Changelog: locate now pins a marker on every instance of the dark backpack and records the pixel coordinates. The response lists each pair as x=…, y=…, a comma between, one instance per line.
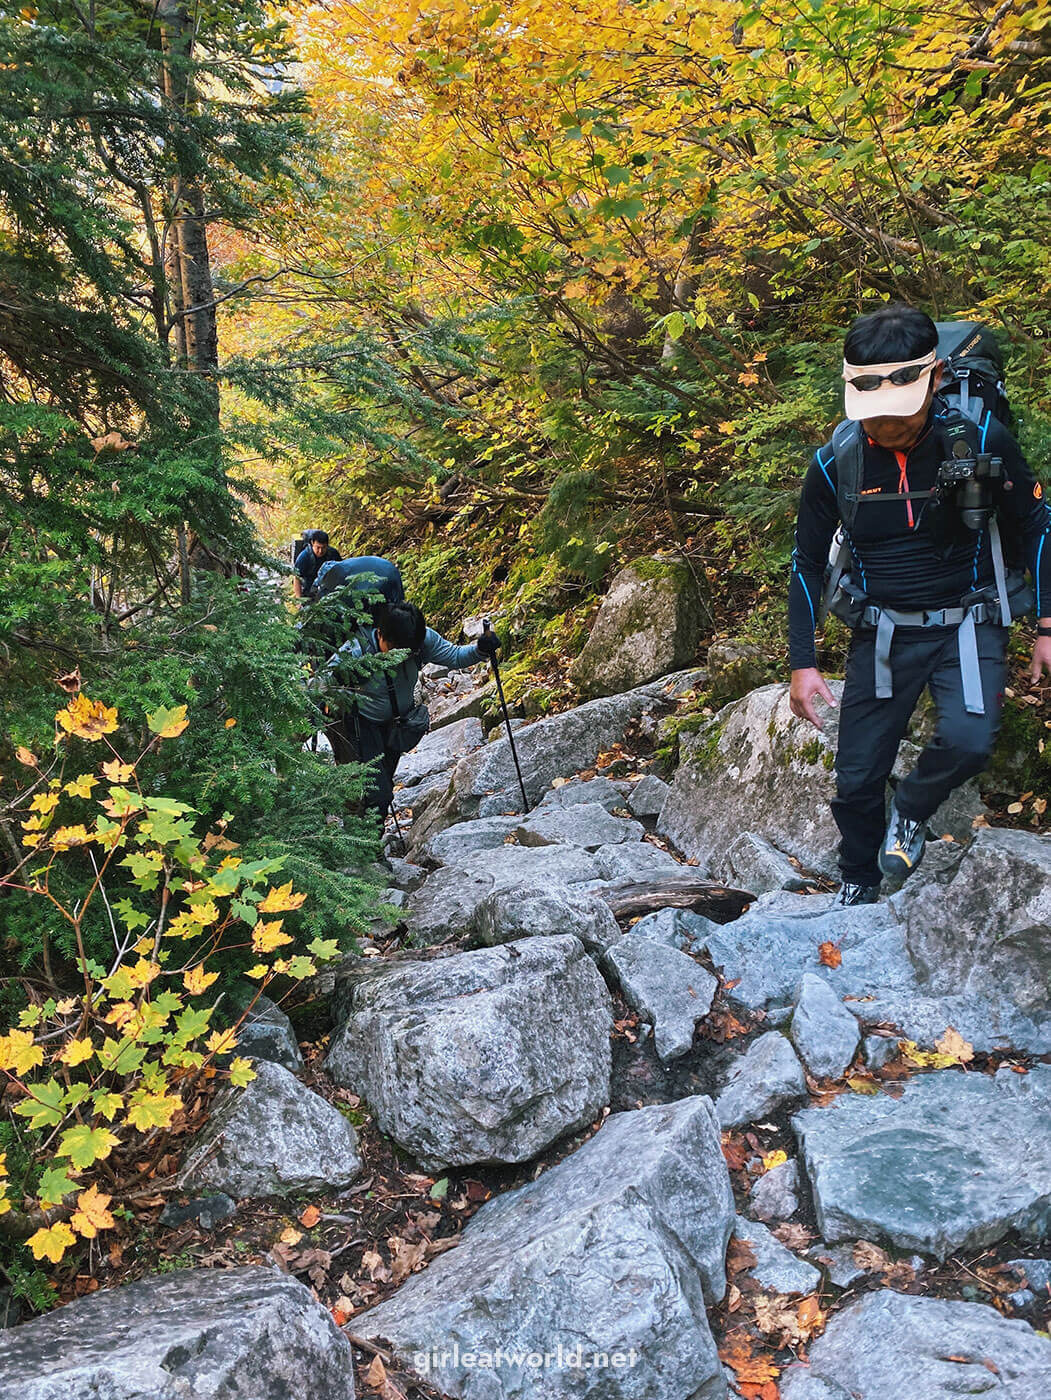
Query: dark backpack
x=973, y=371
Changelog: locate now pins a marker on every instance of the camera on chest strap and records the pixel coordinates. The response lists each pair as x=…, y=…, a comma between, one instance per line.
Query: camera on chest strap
x=965, y=479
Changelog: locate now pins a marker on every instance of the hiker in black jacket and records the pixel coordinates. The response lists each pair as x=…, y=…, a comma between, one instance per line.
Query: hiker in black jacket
x=922, y=591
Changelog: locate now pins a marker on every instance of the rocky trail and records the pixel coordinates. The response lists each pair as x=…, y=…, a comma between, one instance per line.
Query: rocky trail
x=621, y=1106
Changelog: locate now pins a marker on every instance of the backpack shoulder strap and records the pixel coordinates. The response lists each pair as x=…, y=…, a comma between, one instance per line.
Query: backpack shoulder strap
x=849, y=451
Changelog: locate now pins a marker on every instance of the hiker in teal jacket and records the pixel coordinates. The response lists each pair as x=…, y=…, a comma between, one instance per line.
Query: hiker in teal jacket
x=380, y=722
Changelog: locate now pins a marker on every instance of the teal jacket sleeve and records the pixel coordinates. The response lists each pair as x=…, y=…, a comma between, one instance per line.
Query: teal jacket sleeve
x=441, y=652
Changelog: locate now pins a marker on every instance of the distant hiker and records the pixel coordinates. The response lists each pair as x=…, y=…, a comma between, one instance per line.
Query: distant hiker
x=366, y=572
x=381, y=721
x=921, y=492
x=310, y=560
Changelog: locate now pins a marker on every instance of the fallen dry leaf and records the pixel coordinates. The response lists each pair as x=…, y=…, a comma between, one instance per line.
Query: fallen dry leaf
x=736, y=1152
x=290, y=1235
x=828, y=954
x=405, y=1257
x=793, y=1236
x=739, y=1256
x=776, y=1317
x=372, y=1260
x=376, y=1375
x=751, y=1369
x=953, y=1044
x=310, y=1217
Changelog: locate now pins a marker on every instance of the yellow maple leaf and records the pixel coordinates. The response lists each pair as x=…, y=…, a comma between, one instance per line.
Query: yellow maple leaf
x=229, y=724
x=76, y=1051
x=118, y=772
x=81, y=787
x=196, y=980
x=87, y=719
x=727, y=428
x=91, y=1214
x=221, y=1042
x=52, y=1243
x=3, y=1163
x=267, y=937
x=66, y=1006
x=280, y=900
x=120, y=1013
x=44, y=802
x=66, y=837
x=168, y=724
x=18, y=1052
x=143, y=972
x=259, y=970
x=774, y=1159
x=147, y=1110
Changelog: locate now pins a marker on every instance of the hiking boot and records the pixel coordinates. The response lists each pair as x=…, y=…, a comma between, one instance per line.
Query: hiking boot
x=902, y=848
x=850, y=894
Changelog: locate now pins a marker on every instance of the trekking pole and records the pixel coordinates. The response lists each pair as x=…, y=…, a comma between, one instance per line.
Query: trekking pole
x=507, y=719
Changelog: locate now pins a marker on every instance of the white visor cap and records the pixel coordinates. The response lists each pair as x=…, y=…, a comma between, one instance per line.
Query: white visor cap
x=889, y=400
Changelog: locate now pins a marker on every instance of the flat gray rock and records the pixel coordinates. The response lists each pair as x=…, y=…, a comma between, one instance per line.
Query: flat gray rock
x=889, y=1346
x=267, y=1034
x=678, y=928
x=640, y=862
x=587, y=824
x=776, y=1269
x=466, y=839
x=197, y=1334
x=666, y=987
x=775, y=1196
x=445, y=905
x=485, y=1056
x=582, y=790
x=618, y=1248
x=648, y=796
x=766, y=1078
x=439, y=750
x=989, y=1020
x=771, y=947
x=955, y=1163
x=838, y=1259
x=270, y=1139
x=753, y=863
x=526, y=911
x=983, y=923
x=825, y=1034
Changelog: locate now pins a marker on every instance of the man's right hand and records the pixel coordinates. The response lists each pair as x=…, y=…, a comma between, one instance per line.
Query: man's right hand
x=807, y=684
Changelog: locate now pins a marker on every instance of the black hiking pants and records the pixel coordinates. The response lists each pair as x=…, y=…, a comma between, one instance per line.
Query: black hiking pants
x=871, y=730
x=357, y=741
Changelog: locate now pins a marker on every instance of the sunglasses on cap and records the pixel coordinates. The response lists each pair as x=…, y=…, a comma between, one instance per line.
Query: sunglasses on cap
x=867, y=380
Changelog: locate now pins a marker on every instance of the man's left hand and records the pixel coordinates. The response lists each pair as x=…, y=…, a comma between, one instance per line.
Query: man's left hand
x=1041, y=659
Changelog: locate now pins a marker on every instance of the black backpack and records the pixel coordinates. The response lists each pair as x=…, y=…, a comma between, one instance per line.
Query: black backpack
x=973, y=371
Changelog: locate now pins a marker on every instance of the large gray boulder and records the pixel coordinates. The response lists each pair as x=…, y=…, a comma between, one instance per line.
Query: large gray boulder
x=580, y=790
x=983, y=922
x=649, y=623
x=486, y=784
x=198, y=1334
x=989, y=1021
x=753, y=863
x=756, y=767
x=270, y=1139
x=617, y=1249
x=825, y=1034
x=526, y=911
x=666, y=987
x=486, y=1056
x=765, y=1078
x=955, y=1163
x=461, y=842
x=639, y=862
x=889, y=1346
x=446, y=905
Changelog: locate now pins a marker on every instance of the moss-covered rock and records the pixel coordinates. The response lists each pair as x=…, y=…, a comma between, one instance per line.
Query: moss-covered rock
x=735, y=667
x=650, y=623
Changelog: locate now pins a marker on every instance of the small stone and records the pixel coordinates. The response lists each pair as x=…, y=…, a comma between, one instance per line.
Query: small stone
x=823, y=1031
x=767, y=1077
x=208, y=1212
x=838, y=1259
x=878, y=1050
x=1035, y=1272
x=267, y=1034
x=648, y=796
x=775, y=1196
x=1023, y=1300
x=776, y=1268
x=678, y=928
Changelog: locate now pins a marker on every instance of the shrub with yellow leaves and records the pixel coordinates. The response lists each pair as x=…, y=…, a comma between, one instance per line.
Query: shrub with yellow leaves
x=101, y=1076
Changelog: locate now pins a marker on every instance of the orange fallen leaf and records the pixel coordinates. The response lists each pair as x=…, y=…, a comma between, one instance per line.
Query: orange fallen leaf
x=828, y=954
x=310, y=1217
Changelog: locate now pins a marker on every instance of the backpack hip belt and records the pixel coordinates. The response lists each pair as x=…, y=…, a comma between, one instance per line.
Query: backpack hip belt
x=964, y=618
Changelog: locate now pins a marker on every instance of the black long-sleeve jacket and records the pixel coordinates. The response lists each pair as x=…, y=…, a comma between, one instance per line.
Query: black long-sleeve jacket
x=912, y=555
